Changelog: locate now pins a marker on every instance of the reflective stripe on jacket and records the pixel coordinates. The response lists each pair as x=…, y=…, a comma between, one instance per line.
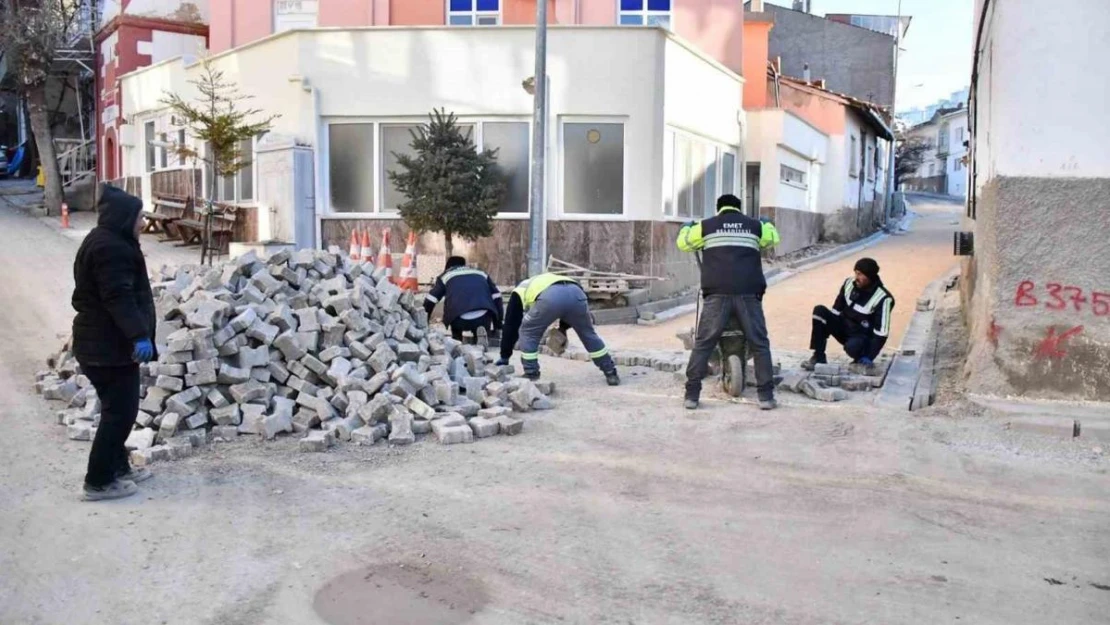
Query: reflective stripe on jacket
x=730, y=243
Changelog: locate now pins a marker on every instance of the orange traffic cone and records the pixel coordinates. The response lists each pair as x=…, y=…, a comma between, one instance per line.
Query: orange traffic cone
x=385, y=256
x=407, y=280
x=354, y=249
x=367, y=252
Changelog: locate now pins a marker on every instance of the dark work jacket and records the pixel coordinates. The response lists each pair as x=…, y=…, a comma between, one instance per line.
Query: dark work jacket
x=463, y=290
x=111, y=293
x=866, y=312
x=730, y=245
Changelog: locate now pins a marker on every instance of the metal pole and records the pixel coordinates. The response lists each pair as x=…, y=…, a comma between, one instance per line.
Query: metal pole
x=894, y=141
x=536, y=246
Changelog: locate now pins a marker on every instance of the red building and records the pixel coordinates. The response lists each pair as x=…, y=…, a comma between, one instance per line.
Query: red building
x=135, y=34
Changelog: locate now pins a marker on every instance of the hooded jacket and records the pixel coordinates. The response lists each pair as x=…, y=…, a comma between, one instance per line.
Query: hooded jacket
x=111, y=294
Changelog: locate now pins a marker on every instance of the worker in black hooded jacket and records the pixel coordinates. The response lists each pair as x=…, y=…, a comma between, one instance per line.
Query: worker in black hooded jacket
x=471, y=300
x=112, y=333
x=859, y=319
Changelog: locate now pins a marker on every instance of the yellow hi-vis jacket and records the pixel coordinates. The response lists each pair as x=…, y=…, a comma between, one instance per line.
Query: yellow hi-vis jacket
x=531, y=288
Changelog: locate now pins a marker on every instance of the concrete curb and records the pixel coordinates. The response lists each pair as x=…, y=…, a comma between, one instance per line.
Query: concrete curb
x=909, y=383
x=1089, y=421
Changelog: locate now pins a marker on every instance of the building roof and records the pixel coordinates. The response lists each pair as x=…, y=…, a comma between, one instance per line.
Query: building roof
x=876, y=116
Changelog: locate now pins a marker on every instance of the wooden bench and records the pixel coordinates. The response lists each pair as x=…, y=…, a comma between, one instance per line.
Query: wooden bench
x=223, y=220
x=168, y=209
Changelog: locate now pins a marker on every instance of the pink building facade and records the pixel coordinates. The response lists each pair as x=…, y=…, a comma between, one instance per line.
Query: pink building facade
x=716, y=27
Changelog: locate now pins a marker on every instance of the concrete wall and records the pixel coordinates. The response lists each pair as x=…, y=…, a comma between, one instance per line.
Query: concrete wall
x=1036, y=292
x=854, y=61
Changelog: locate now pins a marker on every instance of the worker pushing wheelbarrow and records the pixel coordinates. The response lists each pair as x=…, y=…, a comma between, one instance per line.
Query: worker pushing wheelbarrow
x=730, y=321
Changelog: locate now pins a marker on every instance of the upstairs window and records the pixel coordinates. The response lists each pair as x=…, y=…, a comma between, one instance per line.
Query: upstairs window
x=644, y=13
x=473, y=12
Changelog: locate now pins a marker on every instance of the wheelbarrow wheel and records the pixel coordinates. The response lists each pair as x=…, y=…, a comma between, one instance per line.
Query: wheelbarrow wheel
x=732, y=378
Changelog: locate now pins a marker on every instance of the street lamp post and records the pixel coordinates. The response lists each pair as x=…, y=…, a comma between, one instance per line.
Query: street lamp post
x=537, y=217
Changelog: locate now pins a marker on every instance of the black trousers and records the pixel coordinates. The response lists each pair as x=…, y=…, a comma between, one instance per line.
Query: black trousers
x=118, y=390
x=826, y=324
x=715, y=314
x=460, y=325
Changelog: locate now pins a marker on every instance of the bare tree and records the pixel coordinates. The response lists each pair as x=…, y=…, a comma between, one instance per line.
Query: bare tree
x=217, y=121
x=31, y=32
x=908, y=156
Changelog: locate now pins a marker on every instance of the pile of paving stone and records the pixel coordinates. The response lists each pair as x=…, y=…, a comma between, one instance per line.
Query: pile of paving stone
x=832, y=382
x=305, y=343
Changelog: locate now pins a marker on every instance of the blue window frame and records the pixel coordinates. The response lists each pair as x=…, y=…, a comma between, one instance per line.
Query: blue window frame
x=473, y=12
x=644, y=13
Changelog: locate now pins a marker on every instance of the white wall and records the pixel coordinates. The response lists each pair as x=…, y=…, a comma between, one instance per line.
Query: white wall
x=1041, y=103
x=648, y=80
x=165, y=46
x=777, y=137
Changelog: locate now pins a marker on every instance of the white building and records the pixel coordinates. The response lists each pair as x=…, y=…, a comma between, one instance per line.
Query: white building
x=638, y=143
x=943, y=168
x=1036, y=285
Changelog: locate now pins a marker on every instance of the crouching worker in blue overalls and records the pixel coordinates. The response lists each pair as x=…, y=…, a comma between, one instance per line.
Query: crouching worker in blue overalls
x=537, y=303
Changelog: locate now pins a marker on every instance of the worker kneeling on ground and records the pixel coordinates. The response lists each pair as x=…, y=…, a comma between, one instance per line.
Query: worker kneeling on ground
x=859, y=319
x=471, y=301
x=112, y=333
x=732, y=283
x=537, y=303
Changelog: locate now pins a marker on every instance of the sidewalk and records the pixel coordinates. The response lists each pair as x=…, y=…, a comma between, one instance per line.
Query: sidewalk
x=909, y=262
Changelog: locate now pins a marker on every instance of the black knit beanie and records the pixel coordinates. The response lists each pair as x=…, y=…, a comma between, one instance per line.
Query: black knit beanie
x=868, y=267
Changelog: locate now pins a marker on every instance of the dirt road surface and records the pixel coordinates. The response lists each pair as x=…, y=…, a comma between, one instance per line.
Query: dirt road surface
x=909, y=262
x=617, y=507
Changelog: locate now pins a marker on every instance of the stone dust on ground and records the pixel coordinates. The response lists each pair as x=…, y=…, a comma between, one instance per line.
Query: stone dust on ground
x=616, y=507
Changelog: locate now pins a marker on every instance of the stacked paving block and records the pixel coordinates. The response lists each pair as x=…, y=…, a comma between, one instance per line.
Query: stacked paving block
x=307, y=344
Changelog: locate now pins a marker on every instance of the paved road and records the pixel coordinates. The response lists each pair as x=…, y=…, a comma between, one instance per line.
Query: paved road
x=617, y=507
x=909, y=262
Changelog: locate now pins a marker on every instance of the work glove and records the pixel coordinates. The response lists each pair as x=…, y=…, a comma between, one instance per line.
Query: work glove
x=144, y=351
x=501, y=362
x=865, y=361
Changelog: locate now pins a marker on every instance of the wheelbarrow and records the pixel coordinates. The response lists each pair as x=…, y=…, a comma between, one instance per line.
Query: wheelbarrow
x=730, y=355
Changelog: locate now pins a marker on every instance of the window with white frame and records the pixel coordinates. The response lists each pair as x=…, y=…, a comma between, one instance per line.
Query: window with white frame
x=473, y=12
x=238, y=187
x=695, y=173
x=792, y=176
x=853, y=158
x=644, y=13
x=354, y=149
x=148, y=141
x=593, y=168
x=180, y=145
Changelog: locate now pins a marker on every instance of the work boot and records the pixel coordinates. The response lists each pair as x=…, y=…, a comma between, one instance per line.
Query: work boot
x=117, y=489
x=135, y=474
x=532, y=375
x=690, y=402
x=612, y=379
x=768, y=404
x=814, y=360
